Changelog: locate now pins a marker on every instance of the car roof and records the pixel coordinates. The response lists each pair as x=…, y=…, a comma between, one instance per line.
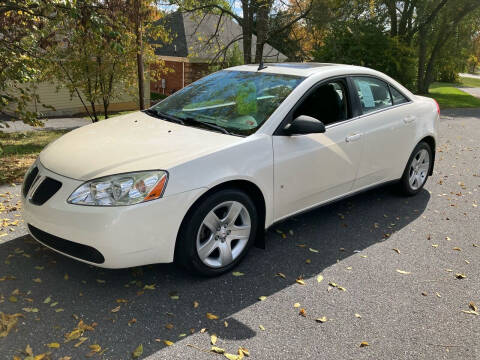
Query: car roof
x=306, y=69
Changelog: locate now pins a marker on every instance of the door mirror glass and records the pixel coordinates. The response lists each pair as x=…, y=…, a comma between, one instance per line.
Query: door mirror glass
x=304, y=124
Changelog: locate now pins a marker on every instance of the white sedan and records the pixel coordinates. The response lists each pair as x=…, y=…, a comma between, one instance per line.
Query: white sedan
x=198, y=177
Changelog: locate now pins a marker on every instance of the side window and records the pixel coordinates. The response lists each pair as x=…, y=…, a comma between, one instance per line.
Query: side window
x=327, y=103
x=374, y=94
x=398, y=97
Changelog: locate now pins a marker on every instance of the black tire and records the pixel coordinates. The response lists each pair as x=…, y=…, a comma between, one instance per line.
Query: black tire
x=186, y=254
x=405, y=186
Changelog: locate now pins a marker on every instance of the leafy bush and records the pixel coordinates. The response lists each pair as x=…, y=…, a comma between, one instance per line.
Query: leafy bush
x=366, y=43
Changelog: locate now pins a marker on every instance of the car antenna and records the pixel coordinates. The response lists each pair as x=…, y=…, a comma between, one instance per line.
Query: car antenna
x=261, y=66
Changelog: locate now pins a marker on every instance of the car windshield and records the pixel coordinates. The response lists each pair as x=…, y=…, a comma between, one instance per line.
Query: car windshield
x=237, y=102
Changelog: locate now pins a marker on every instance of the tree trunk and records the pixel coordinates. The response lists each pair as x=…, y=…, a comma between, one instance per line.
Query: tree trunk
x=106, y=103
x=247, y=30
x=94, y=112
x=262, y=28
x=139, y=40
x=422, y=55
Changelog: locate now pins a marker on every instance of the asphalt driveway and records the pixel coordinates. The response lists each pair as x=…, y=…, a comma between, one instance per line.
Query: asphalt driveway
x=402, y=273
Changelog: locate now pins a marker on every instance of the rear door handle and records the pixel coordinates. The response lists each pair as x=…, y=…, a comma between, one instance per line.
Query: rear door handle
x=408, y=119
x=352, y=138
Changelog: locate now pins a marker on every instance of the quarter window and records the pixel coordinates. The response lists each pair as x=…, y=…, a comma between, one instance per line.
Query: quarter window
x=398, y=98
x=374, y=94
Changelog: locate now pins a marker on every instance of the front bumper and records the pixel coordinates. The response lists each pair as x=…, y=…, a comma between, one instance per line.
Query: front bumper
x=125, y=236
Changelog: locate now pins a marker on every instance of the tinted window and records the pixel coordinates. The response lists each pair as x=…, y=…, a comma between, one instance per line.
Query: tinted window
x=239, y=101
x=398, y=98
x=374, y=94
x=328, y=103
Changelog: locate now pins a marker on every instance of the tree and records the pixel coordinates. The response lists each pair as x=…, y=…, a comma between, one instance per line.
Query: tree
x=92, y=53
x=367, y=43
x=256, y=18
x=143, y=16
x=23, y=29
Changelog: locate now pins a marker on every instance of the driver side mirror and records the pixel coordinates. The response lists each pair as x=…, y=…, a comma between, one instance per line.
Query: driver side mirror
x=304, y=124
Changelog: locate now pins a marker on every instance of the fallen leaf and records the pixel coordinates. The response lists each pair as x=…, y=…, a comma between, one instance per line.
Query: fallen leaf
x=319, y=278
x=243, y=350
x=212, y=316
x=81, y=341
x=261, y=327
x=457, y=249
x=30, y=310
x=358, y=316
x=149, y=287
x=472, y=306
x=100, y=281
x=300, y=281
x=302, y=312
x=132, y=321
x=233, y=357
x=138, y=351
x=29, y=350
x=364, y=344
x=396, y=250
x=8, y=322
x=217, y=350
x=460, y=276
x=196, y=304
x=296, y=305
x=122, y=301
x=308, y=261
x=37, y=280
x=95, y=348
x=114, y=310
x=262, y=298
x=169, y=326
x=281, y=275
x=47, y=300
x=321, y=319
x=313, y=250
x=168, y=342
x=403, y=272
x=470, y=312
x=237, y=273
x=213, y=339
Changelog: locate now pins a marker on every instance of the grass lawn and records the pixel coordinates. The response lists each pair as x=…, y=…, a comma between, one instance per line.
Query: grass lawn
x=20, y=151
x=450, y=96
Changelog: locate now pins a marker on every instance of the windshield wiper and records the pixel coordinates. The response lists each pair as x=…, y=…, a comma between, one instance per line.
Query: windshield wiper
x=183, y=121
x=164, y=116
x=206, y=124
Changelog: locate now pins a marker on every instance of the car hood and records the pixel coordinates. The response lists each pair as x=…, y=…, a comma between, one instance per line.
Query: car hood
x=127, y=143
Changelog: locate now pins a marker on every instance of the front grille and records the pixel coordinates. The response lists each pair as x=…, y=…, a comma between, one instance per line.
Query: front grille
x=29, y=180
x=45, y=191
x=68, y=247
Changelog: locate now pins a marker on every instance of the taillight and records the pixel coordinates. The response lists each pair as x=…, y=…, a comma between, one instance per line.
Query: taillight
x=438, y=106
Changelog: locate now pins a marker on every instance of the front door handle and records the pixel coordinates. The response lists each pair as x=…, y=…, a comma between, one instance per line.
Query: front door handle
x=408, y=119
x=352, y=138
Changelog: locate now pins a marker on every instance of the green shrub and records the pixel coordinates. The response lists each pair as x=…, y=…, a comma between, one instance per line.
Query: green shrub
x=366, y=43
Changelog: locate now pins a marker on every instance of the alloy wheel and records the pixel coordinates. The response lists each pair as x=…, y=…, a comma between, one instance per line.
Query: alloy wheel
x=418, y=171
x=223, y=234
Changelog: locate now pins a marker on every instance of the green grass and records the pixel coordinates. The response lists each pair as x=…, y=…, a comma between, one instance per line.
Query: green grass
x=449, y=96
x=20, y=150
x=469, y=82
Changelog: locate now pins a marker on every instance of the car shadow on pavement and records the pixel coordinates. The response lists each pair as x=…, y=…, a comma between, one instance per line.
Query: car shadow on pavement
x=54, y=292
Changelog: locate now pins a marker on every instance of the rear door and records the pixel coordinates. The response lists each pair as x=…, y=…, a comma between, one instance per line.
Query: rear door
x=388, y=127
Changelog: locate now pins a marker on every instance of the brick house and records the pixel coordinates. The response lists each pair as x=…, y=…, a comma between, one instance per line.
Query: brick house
x=189, y=55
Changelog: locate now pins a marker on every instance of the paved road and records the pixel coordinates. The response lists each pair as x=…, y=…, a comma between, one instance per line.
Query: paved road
x=470, y=75
x=49, y=124
x=413, y=315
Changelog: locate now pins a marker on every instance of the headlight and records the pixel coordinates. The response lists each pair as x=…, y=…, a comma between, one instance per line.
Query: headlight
x=121, y=189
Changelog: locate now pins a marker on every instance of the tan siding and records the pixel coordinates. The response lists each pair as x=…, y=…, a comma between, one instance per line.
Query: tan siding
x=65, y=104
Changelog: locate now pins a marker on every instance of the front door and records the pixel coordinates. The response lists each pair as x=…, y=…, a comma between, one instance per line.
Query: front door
x=315, y=168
